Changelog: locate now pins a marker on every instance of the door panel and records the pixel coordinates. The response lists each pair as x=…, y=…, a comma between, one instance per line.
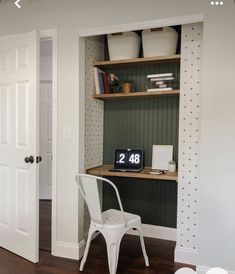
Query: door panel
x=4, y=195
x=22, y=57
x=22, y=114
x=22, y=201
x=18, y=139
x=4, y=114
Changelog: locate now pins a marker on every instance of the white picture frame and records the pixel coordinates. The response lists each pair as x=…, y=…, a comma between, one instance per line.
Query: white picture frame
x=161, y=156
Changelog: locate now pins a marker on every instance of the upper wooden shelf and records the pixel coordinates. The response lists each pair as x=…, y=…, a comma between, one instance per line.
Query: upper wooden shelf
x=171, y=58
x=144, y=174
x=135, y=94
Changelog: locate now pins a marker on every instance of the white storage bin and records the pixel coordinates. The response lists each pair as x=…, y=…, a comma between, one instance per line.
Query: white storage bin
x=159, y=42
x=125, y=45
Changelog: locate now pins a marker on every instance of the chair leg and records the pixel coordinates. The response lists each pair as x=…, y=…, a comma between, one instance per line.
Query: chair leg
x=146, y=259
x=90, y=233
x=113, y=253
x=113, y=240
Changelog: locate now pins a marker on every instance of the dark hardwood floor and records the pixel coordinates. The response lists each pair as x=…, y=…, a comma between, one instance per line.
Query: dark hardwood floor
x=45, y=225
x=161, y=256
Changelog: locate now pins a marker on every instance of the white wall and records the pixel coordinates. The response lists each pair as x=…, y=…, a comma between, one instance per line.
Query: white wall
x=217, y=176
x=217, y=186
x=46, y=60
x=45, y=124
x=45, y=68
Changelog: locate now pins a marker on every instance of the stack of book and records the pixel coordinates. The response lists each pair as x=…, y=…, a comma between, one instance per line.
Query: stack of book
x=101, y=81
x=162, y=81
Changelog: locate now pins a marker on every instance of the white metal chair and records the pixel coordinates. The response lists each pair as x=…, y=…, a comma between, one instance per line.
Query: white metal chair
x=112, y=223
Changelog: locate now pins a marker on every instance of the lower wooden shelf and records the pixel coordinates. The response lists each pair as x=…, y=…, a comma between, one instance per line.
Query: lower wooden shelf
x=136, y=94
x=144, y=174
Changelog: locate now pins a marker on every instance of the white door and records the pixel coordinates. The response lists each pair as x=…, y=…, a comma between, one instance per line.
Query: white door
x=45, y=172
x=18, y=140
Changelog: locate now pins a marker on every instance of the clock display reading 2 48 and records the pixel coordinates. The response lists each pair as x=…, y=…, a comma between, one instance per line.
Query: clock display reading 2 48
x=129, y=158
x=125, y=158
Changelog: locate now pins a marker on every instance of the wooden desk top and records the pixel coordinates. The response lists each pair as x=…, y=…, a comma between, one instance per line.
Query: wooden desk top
x=144, y=174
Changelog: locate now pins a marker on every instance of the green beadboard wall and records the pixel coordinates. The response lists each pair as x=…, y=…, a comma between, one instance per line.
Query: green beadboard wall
x=140, y=123
x=154, y=200
x=136, y=73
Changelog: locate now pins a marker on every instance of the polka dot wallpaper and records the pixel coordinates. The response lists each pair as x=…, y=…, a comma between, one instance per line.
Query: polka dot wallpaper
x=189, y=137
x=94, y=50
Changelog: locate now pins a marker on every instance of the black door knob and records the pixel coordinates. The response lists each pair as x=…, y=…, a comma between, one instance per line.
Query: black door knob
x=29, y=159
x=39, y=159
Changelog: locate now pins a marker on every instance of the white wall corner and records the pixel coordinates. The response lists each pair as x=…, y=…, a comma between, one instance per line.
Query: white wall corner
x=203, y=269
x=186, y=255
x=158, y=232
x=69, y=250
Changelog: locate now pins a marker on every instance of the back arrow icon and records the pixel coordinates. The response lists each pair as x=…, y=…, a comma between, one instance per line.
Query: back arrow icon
x=17, y=3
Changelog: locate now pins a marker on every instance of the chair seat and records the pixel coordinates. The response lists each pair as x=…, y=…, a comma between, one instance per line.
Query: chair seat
x=113, y=217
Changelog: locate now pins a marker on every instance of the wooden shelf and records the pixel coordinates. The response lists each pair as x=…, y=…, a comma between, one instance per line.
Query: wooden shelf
x=144, y=174
x=135, y=94
x=171, y=58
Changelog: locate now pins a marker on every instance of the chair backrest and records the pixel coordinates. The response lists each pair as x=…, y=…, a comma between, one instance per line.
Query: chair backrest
x=88, y=186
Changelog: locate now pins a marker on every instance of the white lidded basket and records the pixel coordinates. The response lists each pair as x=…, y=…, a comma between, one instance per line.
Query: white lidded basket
x=159, y=41
x=124, y=45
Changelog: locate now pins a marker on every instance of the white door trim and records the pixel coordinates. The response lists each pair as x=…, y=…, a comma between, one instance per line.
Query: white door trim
x=181, y=20
x=52, y=34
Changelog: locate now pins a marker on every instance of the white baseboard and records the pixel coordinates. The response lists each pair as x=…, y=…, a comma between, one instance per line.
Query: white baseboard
x=203, y=269
x=158, y=232
x=186, y=255
x=69, y=250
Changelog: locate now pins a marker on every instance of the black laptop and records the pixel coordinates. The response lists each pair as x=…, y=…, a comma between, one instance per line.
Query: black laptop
x=128, y=159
